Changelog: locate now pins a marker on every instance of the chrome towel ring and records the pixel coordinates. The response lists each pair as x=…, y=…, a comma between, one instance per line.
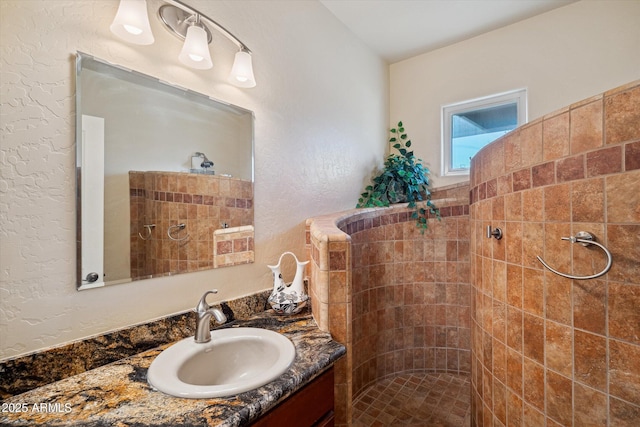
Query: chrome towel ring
x=148, y=228
x=178, y=227
x=585, y=239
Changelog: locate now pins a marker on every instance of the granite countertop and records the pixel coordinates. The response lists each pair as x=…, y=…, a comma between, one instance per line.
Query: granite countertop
x=118, y=394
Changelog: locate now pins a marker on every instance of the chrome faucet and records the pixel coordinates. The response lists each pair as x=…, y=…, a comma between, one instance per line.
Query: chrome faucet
x=204, y=312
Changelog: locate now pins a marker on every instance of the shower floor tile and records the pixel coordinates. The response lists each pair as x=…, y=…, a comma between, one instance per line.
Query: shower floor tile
x=418, y=399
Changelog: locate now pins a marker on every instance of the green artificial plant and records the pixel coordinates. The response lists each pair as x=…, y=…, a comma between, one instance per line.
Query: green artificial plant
x=403, y=179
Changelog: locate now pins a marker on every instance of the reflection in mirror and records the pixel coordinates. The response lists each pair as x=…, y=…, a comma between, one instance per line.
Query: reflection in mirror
x=165, y=178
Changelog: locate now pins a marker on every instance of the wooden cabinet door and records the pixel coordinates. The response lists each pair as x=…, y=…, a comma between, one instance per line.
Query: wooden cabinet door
x=312, y=406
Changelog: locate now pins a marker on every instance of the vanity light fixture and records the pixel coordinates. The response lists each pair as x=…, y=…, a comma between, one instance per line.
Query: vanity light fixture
x=242, y=71
x=195, y=50
x=132, y=22
x=189, y=25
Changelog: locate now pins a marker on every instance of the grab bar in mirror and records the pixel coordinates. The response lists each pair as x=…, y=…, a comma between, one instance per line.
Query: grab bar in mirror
x=585, y=239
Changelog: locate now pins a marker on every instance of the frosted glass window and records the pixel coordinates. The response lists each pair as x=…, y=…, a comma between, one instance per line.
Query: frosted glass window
x=470, y=125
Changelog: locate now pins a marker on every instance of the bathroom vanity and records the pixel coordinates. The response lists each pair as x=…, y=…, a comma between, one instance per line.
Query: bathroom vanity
x=119, y=394
x=310, y=407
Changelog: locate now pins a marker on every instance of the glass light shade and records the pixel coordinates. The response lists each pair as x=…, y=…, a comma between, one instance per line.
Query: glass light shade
x=242, y=71
x=195, y=50
x=132, y=22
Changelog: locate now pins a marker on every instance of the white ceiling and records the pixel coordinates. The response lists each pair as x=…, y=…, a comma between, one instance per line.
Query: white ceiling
x=400, y=29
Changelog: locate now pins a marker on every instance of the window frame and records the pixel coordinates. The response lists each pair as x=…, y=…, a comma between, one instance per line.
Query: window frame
x=519, y=96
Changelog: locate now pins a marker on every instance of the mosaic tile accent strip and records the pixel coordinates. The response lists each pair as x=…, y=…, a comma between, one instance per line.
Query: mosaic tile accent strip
x=351, y=227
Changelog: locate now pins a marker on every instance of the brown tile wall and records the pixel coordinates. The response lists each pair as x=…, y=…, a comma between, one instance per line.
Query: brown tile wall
x=548, y=350
x=233, y=246
x=201, y=202
x=398, y=299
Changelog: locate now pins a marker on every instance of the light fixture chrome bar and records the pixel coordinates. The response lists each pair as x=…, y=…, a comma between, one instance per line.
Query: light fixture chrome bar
x=190, y=25
x=178, y=21
x=223, y=30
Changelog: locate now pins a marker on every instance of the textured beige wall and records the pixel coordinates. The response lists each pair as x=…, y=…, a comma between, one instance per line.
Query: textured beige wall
x=321, y=112
x=561, y=57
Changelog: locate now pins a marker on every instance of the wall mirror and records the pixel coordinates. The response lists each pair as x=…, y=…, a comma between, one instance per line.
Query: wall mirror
x=164, y=178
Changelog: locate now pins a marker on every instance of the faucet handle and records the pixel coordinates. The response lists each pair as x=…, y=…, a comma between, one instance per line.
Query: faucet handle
x=202, y=305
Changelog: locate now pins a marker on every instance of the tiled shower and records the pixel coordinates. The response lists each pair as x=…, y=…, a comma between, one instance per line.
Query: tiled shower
x=540, y=349
x=547, y=349
x=398, y=299
x=161, y=201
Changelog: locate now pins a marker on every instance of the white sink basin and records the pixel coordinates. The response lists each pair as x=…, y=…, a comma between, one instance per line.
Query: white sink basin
x=234, y=361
